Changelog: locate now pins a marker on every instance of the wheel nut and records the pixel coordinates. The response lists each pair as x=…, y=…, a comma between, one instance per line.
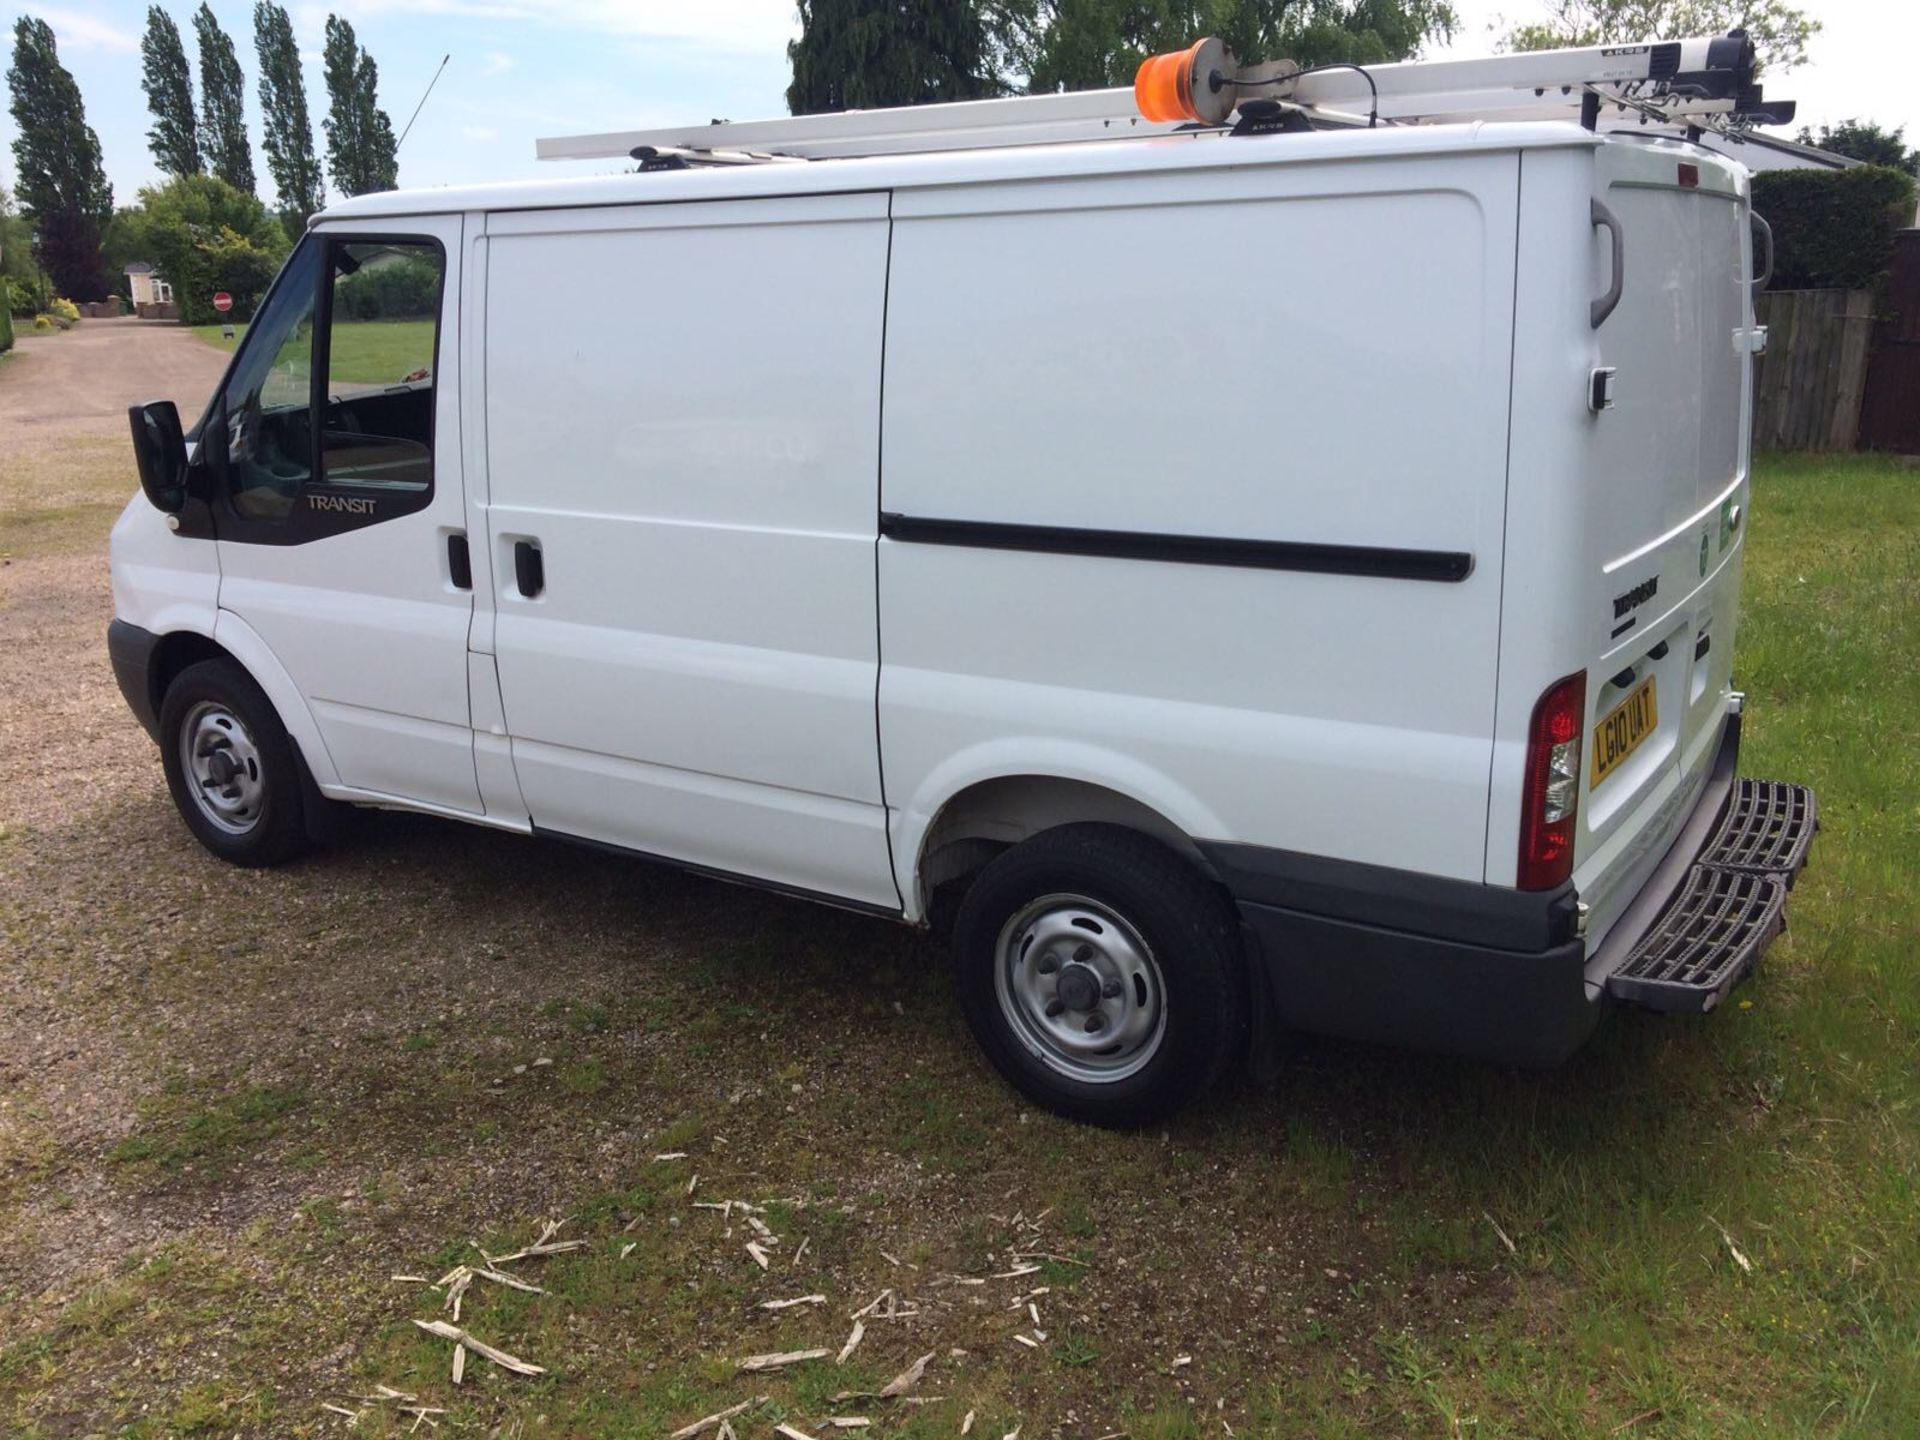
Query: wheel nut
x=1054, y=1007
x=1083, y=954
x=1049, y=964
x=1110, y=990
x=1096, y=1023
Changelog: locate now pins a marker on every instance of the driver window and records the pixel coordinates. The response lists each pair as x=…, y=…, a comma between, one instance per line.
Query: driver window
x=270, y=396
x=376, y=436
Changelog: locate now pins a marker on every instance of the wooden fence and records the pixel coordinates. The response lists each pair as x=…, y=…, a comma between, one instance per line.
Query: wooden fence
x=1807, y=388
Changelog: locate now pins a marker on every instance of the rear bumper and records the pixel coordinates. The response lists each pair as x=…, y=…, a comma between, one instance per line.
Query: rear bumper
x=131, y=650
x=1474, y=970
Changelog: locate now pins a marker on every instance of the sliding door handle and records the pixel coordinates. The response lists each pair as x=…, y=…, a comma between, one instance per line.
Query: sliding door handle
x=459, y=562
x=529, y=572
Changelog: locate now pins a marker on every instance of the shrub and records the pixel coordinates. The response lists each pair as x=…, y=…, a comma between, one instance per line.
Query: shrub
x=6, y=330
x=63, y=308
x=1833, y=228
x=43, y=323
x=27, y=294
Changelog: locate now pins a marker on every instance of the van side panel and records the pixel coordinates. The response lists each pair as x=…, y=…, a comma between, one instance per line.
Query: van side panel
x=1311, y=355
x=683, y=415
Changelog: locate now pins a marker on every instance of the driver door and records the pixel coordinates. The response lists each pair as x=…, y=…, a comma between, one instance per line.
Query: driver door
x=339, y=506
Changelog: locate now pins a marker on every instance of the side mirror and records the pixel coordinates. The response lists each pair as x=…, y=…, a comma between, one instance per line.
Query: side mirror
x=160, y=450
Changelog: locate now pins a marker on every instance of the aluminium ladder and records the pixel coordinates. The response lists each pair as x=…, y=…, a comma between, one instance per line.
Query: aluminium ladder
x=1704, y=83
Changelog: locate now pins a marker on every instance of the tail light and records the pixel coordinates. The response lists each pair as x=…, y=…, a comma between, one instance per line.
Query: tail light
x=1550, y=798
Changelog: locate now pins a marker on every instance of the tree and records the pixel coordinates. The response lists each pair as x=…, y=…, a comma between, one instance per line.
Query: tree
x=867, y=53
x=1084, y=44
x=203, y=235
x=287, y=132
x=57, y=161
x=359, y=135
x=169, y=86
x=1865, y=141
x=223, y=117
x=1780, y=33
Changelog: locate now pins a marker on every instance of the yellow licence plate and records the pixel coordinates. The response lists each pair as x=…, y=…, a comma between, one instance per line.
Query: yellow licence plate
x=1620, y=731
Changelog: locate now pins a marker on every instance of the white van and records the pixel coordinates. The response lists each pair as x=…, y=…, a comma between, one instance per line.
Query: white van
x=1236, y=578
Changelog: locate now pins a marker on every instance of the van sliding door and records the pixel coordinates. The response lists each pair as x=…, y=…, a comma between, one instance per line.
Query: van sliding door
x=683, y=479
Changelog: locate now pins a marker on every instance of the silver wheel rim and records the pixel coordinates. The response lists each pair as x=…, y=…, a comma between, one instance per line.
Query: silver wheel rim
x=223, y=769
x=1080, y=988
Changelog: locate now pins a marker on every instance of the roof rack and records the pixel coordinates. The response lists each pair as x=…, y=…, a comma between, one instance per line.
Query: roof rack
x=1705, y=83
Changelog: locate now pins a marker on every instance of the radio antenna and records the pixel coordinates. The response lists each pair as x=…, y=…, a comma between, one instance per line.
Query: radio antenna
x=421, y=106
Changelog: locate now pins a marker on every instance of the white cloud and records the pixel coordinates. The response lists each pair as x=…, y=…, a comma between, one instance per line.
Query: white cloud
x=481, y=134
x=77, y=30
x=495, y=62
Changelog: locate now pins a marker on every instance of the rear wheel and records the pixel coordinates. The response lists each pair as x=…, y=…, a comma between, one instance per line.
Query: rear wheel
x=231, y=766
x=1102, y=974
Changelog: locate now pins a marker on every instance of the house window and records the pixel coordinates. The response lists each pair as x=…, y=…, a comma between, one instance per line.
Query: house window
x=162, y=292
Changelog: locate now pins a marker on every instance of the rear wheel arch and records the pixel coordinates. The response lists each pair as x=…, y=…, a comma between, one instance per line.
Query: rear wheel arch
x=979, y=822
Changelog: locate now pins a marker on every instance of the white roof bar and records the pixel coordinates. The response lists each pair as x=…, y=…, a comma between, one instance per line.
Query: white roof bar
x=1699, y=81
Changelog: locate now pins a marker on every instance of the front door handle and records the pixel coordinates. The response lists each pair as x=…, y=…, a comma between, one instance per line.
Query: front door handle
x=529, y=572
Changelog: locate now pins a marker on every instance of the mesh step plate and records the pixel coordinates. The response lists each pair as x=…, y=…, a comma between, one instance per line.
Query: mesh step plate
x=1768, y=830
x=1706, y=942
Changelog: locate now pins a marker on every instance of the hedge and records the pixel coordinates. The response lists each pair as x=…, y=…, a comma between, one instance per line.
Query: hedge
x=1833, y=229
x=6, y=330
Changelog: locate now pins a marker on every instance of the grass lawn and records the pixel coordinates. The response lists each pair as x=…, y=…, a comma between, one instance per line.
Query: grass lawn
x=364, y=352
x=1701, y=1229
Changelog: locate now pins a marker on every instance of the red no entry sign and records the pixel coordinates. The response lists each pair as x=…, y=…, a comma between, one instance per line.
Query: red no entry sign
x=222, y=301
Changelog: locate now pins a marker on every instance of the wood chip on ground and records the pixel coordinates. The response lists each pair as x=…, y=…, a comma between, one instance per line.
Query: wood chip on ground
x=906, y=1379
x=759, y=1255
x=853, y=1342
x=480, y=1347
x=966, y=1425
x=719, y=1417
x=789, y=1304
x=753, y=1364
x=791, y=1433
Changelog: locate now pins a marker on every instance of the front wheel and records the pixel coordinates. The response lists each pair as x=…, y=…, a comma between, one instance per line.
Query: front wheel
x=1101, y=974
x=231, y=765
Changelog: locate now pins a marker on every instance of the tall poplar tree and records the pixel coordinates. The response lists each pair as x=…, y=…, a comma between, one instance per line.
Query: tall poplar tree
x=169, y=86
x=360, y=141
x=287, y=133
x=56, y=158
x=223, y=105
x=867, y=53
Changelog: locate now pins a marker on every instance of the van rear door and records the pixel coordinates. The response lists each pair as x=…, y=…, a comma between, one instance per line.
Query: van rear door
x=1665, y=497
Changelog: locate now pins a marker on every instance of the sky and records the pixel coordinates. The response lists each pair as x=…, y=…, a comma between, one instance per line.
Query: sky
x=521, y=69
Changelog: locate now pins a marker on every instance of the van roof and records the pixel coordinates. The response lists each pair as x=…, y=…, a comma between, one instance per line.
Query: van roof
x=1203, y=150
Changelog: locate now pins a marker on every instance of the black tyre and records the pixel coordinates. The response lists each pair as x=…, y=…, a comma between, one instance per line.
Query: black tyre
x=1102, y=974
x=231, y=766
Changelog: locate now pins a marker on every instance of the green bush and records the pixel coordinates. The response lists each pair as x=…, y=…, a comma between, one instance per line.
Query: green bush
x=63, y=308
x=6, y=330
x=1833, y=229
x=43, y=324
x=26, y=295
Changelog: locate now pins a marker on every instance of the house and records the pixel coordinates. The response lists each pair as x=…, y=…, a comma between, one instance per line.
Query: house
x=151, y=295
